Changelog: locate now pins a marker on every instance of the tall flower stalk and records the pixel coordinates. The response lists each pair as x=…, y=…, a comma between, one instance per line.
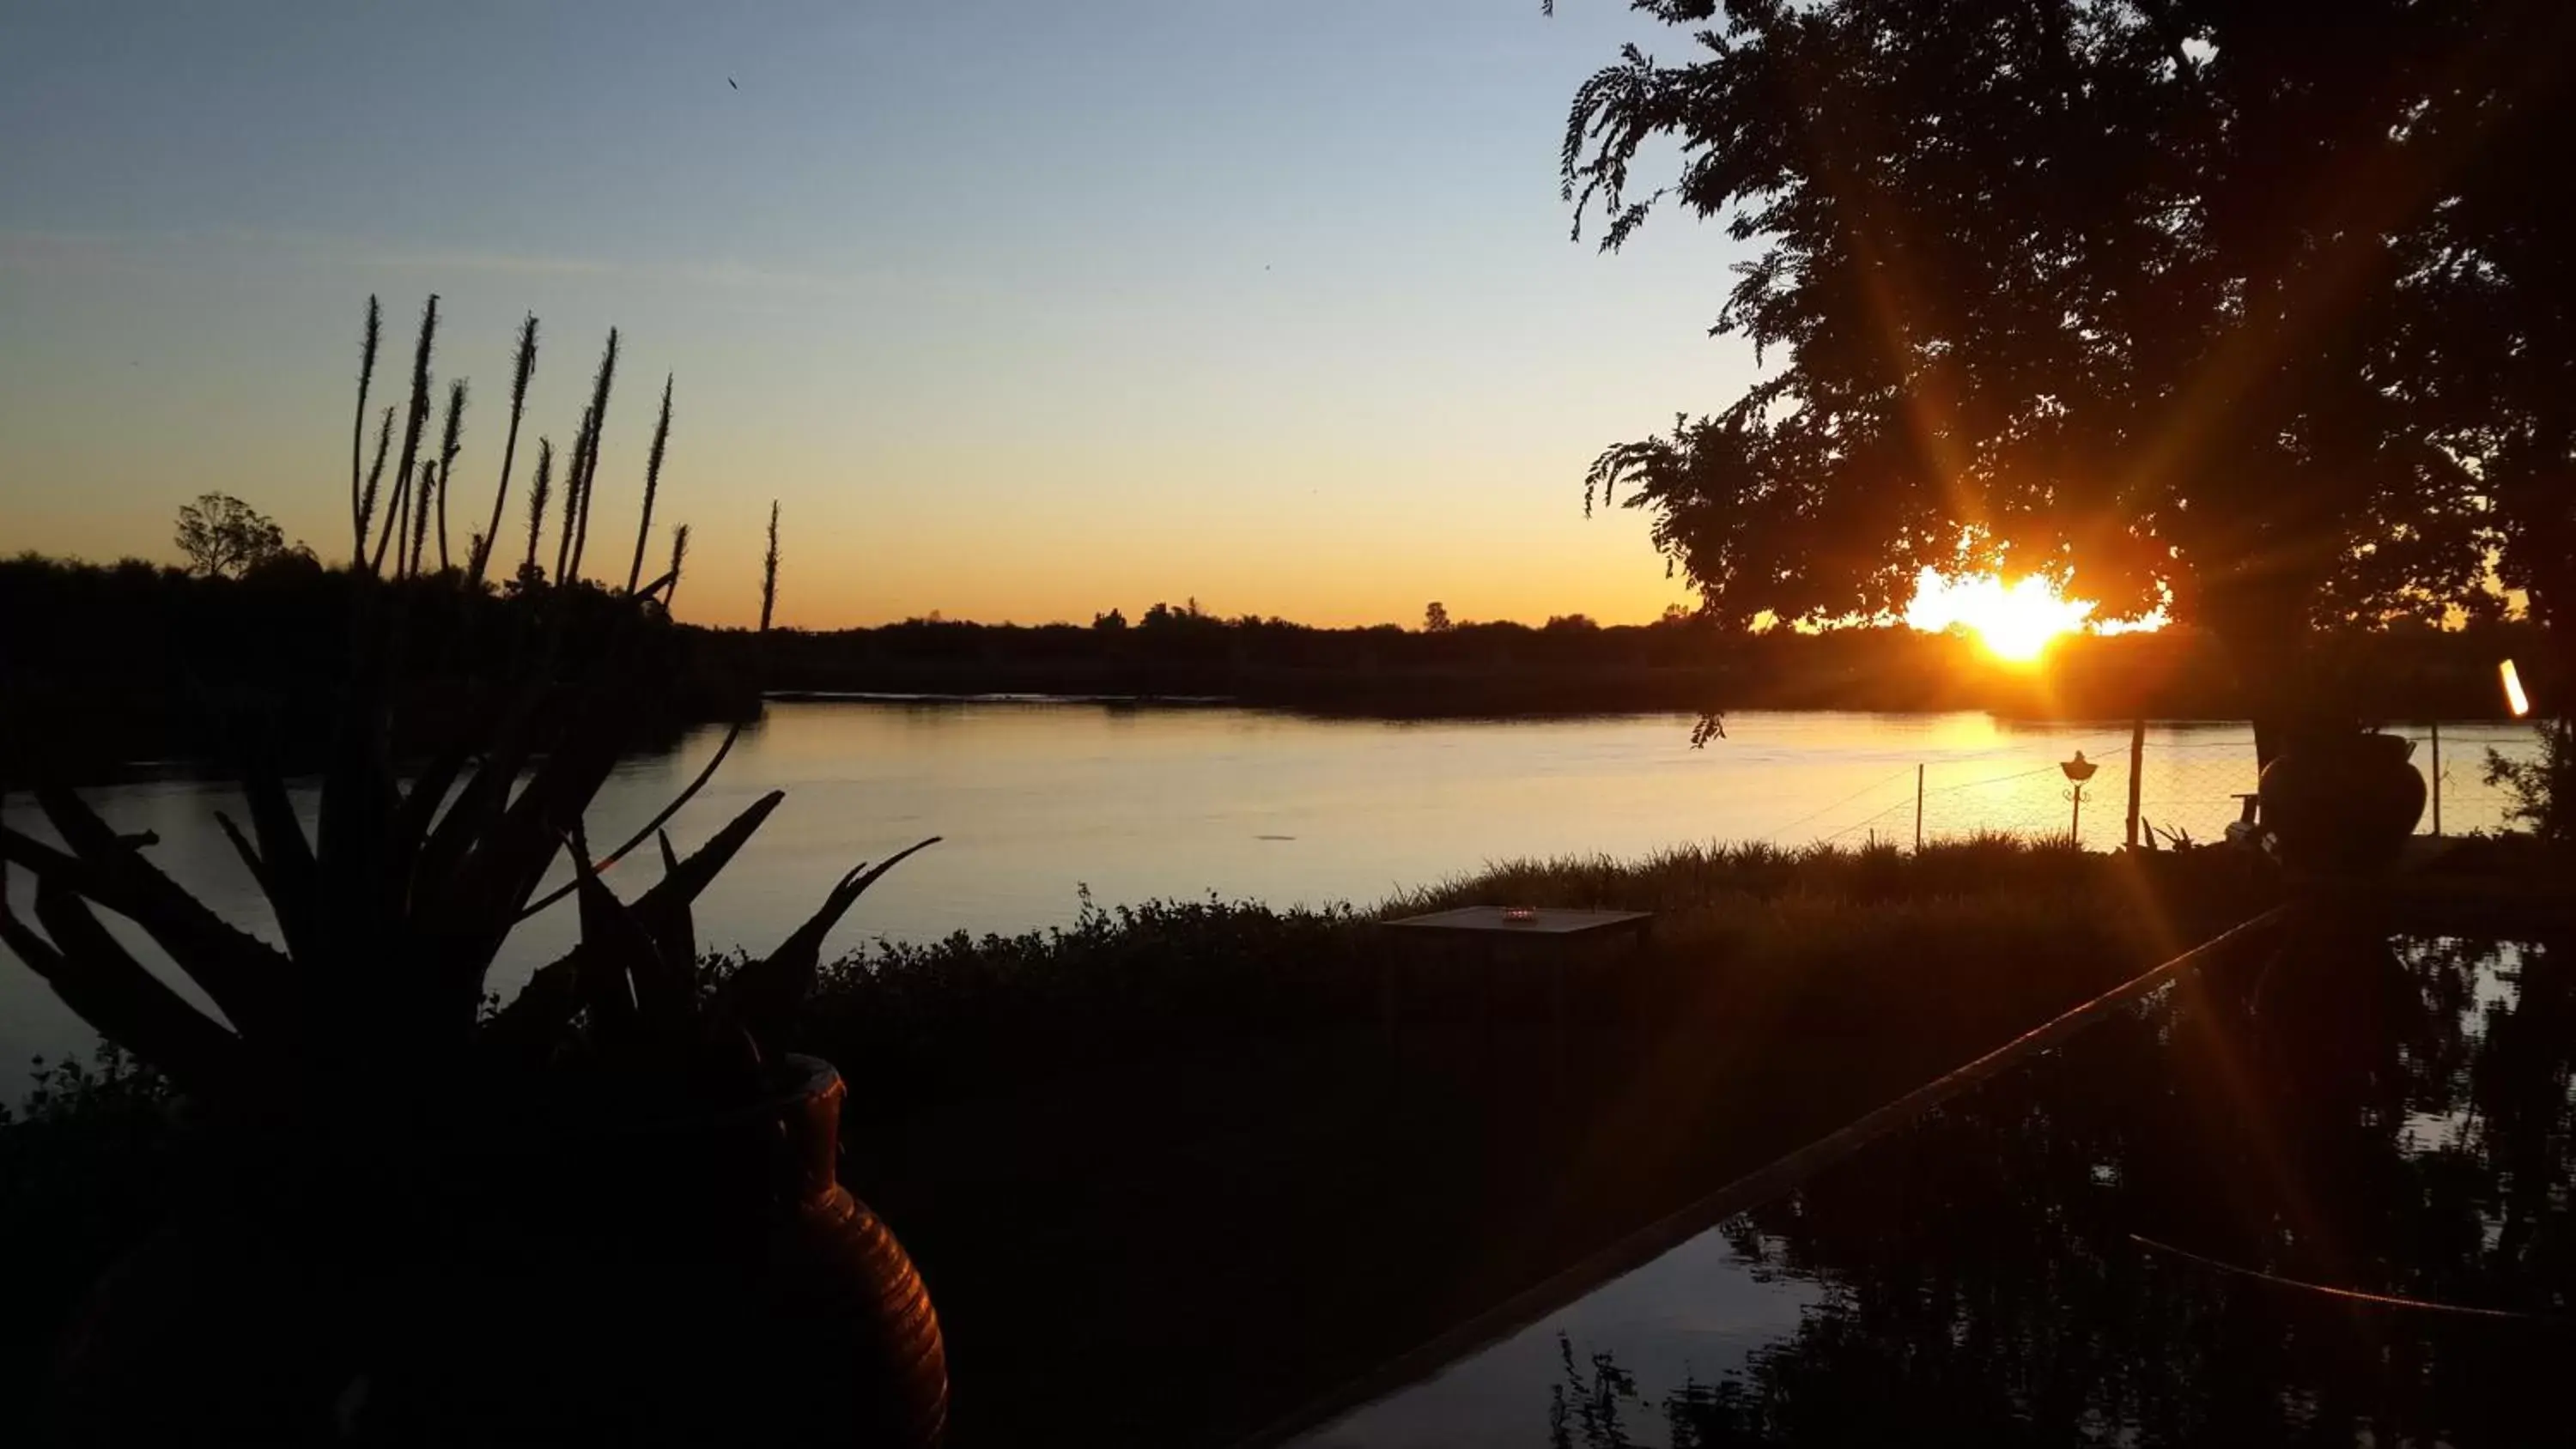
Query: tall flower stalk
x=572, y=499
x=769, y=571
x=361, y=499
x=367, y=498
x=679, y=556
x=422, y=500
x=450, y=442
x=537, y=491
x=652, y=485
x=522, y=367
x=415, y=419
x=587, y=465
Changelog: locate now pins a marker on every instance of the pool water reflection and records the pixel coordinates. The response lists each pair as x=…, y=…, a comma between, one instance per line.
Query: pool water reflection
x=2155, y=1235
x=1692, y=1316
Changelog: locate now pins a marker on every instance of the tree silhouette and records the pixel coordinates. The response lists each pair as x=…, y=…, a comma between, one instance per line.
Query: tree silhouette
x=2142, y=295
x=224, y=538
x=2497, y=257
x=1435, y=618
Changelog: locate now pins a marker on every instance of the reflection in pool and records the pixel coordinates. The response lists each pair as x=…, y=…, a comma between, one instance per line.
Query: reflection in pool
x=1692, y=1314
x=2318, y=1200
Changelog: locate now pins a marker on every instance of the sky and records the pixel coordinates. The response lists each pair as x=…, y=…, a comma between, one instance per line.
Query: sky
x=1020, y=311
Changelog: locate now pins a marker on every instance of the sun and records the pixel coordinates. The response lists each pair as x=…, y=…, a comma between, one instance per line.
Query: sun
x=2015, y=623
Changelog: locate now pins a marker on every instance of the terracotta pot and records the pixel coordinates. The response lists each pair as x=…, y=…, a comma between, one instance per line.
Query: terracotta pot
x=701, y=1280
x=2343, y=804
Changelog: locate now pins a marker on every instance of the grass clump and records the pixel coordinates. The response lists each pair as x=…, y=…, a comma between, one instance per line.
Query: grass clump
x=1692, y=876
x=1926, y=949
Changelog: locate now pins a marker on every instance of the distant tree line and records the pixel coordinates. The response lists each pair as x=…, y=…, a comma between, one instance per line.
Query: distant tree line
x=1573, y=664
x=138, y=661
x=143, y=661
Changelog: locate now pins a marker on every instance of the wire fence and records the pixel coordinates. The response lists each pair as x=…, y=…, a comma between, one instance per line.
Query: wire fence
x=2187, y=789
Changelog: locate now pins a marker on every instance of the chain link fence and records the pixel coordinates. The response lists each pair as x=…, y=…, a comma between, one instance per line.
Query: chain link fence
x=2192, y=783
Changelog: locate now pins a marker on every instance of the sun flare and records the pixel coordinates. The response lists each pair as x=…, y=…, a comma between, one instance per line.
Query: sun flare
x=2015, y=623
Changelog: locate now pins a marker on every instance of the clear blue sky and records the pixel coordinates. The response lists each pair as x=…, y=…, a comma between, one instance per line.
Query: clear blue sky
x=1022, y=310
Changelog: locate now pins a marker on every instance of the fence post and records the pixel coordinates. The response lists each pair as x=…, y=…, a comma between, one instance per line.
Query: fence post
x=2437, y=777
x=1918, y=807
x=2137, y=773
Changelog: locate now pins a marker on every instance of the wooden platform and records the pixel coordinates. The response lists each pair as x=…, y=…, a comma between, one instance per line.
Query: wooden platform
x=1554, y=921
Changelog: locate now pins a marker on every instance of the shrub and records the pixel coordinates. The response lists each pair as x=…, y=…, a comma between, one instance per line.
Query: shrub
x=2543, y=791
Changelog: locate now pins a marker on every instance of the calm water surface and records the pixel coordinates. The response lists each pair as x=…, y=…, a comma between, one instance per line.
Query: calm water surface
x=1990, y=1274
x=1037, y=801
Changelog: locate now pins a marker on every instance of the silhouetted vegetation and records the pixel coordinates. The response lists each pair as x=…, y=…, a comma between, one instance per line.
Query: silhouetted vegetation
x=2258, y=307
x=254, y=643
x=390, y=909
x=2543, y=790
x=1098, y=1140
x=142, y=663
x=222, y=537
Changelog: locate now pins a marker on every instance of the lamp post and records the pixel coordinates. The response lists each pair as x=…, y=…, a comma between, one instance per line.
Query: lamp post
x=2078, y=770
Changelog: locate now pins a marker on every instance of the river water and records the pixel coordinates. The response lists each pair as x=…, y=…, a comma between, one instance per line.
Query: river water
x=1036, y=801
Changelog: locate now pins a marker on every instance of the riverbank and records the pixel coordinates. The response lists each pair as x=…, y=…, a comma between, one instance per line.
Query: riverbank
x=1574, y=666
x=135, y=663
x=1168, y=1175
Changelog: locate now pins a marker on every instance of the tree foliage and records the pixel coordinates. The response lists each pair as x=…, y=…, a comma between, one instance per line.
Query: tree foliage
x=224, y=538
x=2154, y=297
x=2497, y=259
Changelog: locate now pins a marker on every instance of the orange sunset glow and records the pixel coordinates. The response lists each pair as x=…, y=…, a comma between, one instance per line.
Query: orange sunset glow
x=2015, y=622
x=1773, y=721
